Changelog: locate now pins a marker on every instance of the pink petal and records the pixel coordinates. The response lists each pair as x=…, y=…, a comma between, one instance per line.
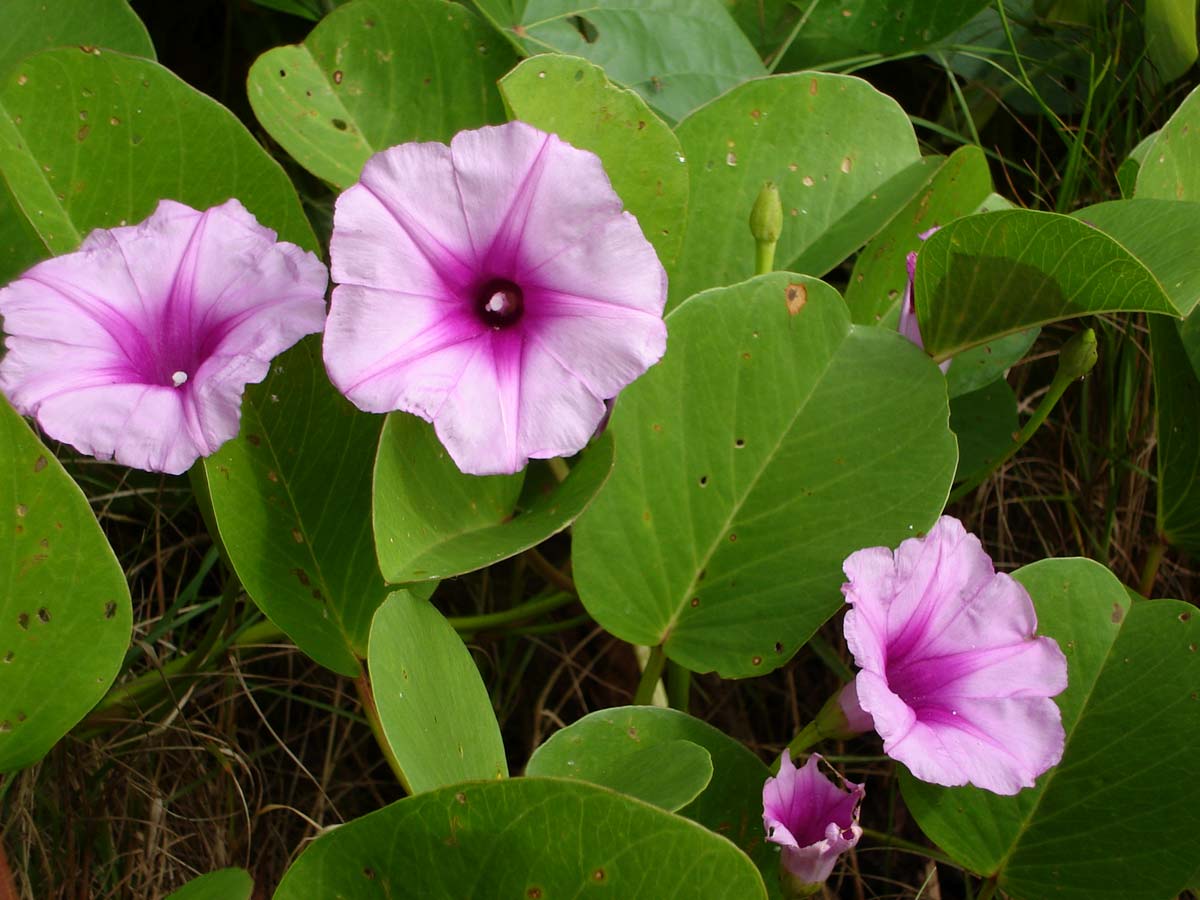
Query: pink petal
x=528, y=195
x=138, y=346
x=385, y=350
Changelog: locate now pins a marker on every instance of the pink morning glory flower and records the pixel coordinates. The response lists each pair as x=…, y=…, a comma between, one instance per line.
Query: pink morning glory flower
x=908, y=307
x=138, y=346
x=812, y=819
x=952, y=673
x=495, y=288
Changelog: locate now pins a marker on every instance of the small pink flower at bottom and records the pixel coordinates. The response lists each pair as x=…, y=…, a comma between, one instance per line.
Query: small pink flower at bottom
x=495, y=288
x=812, y=819
x=952, y=672
x=138, y=346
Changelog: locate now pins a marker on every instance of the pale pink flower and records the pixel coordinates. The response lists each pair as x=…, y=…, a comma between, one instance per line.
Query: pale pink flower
x=495, y=288
x=908, y=308
x=952, y=674
x=812, y=819
x=138, y=346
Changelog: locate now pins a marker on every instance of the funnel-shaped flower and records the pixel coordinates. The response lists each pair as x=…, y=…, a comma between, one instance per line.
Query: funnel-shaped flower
x=495, y=288
x=908, y=306
x=814, y=820
x=952, y=674
x=138, y=346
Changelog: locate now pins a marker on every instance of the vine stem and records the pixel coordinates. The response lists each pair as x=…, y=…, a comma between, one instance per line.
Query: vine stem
x=988, y=891
x=367, y=697
x=1150, y=570
x=644, y=695
x=519, y=613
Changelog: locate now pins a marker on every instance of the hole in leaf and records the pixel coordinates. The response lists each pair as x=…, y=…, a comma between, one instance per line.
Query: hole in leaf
x=340, y=124
x=110, y=609
x=43, y=615
x=586, y=30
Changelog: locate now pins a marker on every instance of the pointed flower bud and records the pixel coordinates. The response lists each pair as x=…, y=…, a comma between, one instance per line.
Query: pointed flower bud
x=814, y=820
x=766, y=224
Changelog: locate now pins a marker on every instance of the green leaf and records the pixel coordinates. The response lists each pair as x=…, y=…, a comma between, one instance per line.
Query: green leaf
x=1171, y=36
x=292, y=499
x=853, y=28
x=1119, y=817
x=572, y=98
x=523, y=837
x=224, y=884
x=1162, y=234
x=432, y=521
x=32, y=25
x=1189, y=333
x=830, y=142
x=65, y=613
x=993, y=274
x=744, y=459
x=984, y=421
x=678, y=54
x=373, y=74
x=730, y=804
x=93, y=139
x=101, y=23
x=954, y=186
x=1177, y=399
x=1128, y=172
x=980, y=366
x=669, y=775
x=1171, y=168
x=433, y=705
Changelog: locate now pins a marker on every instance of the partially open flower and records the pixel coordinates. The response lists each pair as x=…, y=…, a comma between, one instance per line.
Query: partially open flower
x=138, y=346
x=495, y=288
x=908, y=306
x=952, y=673
x=812, y=819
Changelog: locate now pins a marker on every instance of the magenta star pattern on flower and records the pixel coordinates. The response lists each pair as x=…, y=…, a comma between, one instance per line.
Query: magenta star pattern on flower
x=138, y=346
x=812, y=819
x=495, y=288
x=953, y=675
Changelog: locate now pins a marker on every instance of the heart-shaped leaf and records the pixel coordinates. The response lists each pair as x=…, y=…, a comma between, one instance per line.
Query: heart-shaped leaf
x=829, y=142
x=371, y=75
x=434, y=708
x=522, y=837
x=744, y=458
x=29, y=26
x=954, y=187
x=65, y=613
x=730, y=804
x=1171, y=167
x=572, y=98
x=1162, y=234
x=678, y=54
x=1119, y=817
x=292, y=500
x=92, y=139
x=989, y=275
x=224, y=884
x=432, y=521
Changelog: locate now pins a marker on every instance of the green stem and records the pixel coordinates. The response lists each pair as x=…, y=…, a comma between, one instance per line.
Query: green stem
x=492, y=621
x=1072, y=365
x=764, y=257
x=371, y=711
x=891, y=840
x=679, y=685
x=1150, y=570
x=558, y=468
x=809, y=735
x=988, y=891
x=548, y=570
x=644, y=695
x=779, y=54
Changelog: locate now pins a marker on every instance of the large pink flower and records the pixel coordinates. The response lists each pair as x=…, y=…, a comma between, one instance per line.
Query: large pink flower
x=495, y=288
x=812, y=819
x=138, y=346
x=952, y=674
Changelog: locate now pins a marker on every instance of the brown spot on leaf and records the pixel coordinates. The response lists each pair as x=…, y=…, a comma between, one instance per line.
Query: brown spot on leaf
x=796, y=296
x=1117, y=613
x=254, y=440
x=39, y=464
x=302, y=577
x=83, y=132
x=337, y=77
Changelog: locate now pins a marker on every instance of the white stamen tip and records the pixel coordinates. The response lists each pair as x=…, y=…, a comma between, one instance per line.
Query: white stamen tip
x=179, y=378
